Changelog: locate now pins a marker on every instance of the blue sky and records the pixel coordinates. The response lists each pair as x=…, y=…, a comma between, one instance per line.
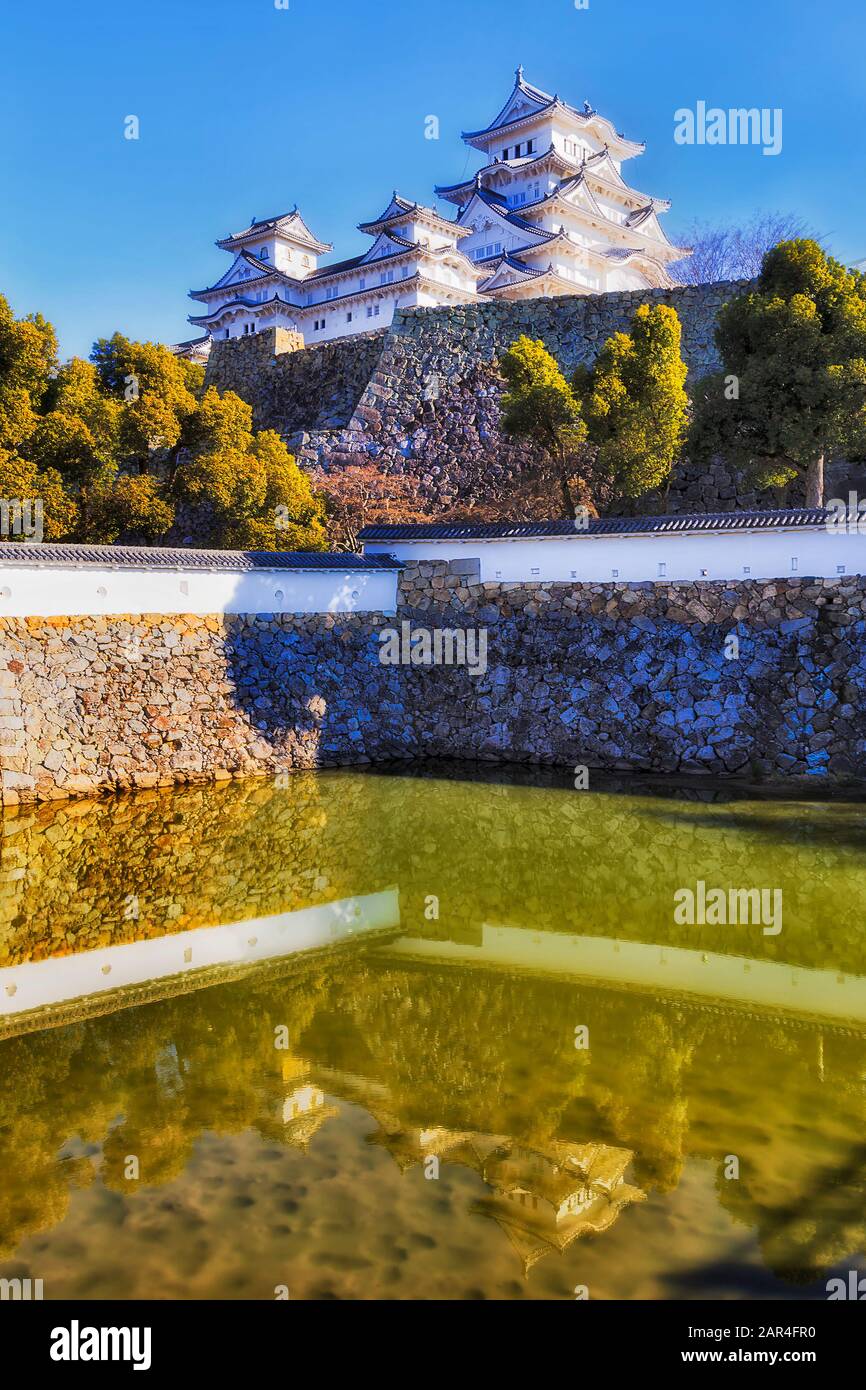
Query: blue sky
x=246, y=109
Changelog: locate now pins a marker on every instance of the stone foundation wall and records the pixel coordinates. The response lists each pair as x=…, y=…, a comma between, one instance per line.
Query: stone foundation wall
x=422, y=398
x=292, y=388
x=628, y=677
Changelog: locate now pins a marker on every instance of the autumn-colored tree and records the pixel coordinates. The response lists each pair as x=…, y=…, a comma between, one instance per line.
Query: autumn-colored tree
x=132, y=506
x=360, y=494
x=792, y=390
x=160, y=393
x=109, y=447
x=28, y=355
x=22, y=481
x=242, y=490
x=78, y=433
x=542, y=407
x=635, y=406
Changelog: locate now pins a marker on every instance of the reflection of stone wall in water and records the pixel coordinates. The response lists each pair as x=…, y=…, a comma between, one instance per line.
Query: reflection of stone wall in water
x=106, y=872
x=607, y=675
x=515, y=855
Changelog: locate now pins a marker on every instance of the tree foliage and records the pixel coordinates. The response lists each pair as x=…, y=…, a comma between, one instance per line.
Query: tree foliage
x=614, y=430
x=792, y=391
x=126, y=447
x=541, y=406
x=243, y=490
x=635, y=406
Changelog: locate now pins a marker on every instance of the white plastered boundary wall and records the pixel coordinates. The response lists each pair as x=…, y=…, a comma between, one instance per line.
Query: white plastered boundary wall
x=809, y=551
x=57, y=591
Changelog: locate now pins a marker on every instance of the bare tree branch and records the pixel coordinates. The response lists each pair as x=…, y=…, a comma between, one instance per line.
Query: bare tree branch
x=734, y=253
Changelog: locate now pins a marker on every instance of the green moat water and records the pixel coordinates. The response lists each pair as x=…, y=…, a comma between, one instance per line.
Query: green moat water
x=323, y=1037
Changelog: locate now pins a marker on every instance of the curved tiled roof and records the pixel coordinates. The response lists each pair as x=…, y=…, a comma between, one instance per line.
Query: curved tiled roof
x=161, y=557
x=545, y=102
x=255, y=304
x=258, y=226
x=791, y=518
x=497, y=204
x=513, y=263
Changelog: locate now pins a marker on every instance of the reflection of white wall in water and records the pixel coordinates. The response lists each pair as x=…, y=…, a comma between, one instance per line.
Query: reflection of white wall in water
x=666, y=969
x=672, y=555
x=36, y=984
x=52, y=591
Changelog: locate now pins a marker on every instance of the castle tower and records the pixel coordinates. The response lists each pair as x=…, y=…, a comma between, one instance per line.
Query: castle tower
x=549, y=212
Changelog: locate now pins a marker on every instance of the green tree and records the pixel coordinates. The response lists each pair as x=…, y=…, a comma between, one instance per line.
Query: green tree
x=635, y=406
x=542, y=407
x=792, y=391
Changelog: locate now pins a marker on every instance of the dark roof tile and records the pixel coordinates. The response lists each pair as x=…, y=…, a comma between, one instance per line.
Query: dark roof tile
x=604, y=526
x=153, y=557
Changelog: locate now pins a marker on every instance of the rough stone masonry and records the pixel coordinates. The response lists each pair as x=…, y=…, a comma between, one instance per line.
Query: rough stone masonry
x=614, y=676
x=422, y=398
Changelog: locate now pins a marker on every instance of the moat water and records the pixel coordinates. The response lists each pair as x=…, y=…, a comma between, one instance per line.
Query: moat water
x=431, y=1036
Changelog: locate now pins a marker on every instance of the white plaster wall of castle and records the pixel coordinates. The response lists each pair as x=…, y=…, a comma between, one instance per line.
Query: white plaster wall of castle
x=52, y=591
x=813, y=552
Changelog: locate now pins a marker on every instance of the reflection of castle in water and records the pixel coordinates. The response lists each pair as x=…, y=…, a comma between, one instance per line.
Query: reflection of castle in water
x=304, y=1109
x=545, y=1199
x=544, y=1195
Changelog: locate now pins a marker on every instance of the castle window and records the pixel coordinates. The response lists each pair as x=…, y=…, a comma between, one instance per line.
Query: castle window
x=263, y=254
x=505, y=153
x=363, y=283
x=349, y=316
x=306, y=260
x=530, y=147
x=517, y=151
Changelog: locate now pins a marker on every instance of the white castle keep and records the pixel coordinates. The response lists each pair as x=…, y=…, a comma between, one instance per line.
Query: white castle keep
x=548, y=213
